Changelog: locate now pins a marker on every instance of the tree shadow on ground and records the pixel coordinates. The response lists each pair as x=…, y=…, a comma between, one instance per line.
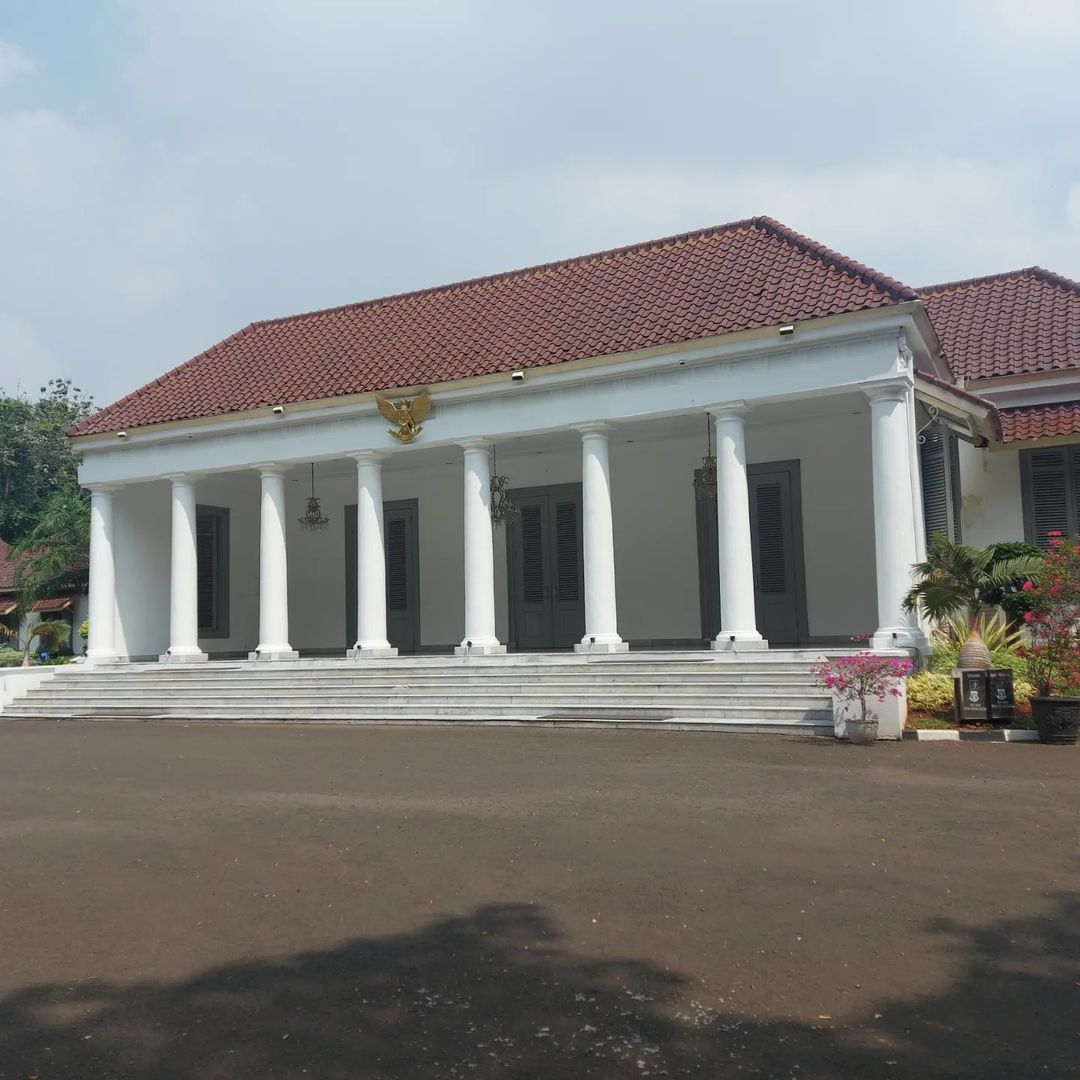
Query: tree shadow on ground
x=494, y=995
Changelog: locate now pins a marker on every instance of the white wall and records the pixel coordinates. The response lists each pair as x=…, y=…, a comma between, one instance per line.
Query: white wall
x=991, y=503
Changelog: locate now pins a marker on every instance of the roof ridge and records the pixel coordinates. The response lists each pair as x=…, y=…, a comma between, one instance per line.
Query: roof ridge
x=521, y=273
x=1038, y=272
x=897, y=289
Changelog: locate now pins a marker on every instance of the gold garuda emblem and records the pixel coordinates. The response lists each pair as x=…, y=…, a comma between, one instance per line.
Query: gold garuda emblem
x=409, y=416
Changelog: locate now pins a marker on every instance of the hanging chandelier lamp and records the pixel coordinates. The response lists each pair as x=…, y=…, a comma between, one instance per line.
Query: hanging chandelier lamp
x=313, y=517
x=705, y=477
x=503, y=508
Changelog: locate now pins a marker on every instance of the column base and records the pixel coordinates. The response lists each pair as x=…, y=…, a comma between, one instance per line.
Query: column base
x=494, y=649
x=105, y=658
x=273, y=655
x=371, y=652
x=183, y=658
x=598, y=647
x=737, y=643
x=899, y=637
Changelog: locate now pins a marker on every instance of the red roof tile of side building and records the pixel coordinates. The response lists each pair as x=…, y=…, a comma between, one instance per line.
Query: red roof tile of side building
x=1017, y=323
x=1040, y=421
x=740, y=276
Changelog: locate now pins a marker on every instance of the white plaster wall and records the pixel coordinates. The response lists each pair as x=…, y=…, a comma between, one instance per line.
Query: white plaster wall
x=991, y=503
x=838, y=513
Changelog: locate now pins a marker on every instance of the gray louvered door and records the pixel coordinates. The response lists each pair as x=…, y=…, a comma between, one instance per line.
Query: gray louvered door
x=545, y=561
x=939, y=466
x=775, y=531
x=401, y=544
x=774, y=547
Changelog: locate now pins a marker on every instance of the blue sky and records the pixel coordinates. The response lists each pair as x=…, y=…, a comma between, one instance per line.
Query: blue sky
x=170, y=171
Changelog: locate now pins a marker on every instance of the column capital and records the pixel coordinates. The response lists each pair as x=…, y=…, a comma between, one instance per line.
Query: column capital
x=269, y=468
x=729, y=410
x=892, y=390
x=594, y=427
x=180, y=478
x=101, y=489
x=477, y=442
x=368, y=457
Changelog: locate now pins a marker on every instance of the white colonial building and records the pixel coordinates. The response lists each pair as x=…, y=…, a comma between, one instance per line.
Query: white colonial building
x=598, y=386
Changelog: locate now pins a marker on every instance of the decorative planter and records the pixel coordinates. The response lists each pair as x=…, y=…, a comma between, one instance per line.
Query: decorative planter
x=861, y=732
x=1057, y=719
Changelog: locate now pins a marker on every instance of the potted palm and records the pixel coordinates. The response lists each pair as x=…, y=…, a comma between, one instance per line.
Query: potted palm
x=1053, y=653
x=956, y=579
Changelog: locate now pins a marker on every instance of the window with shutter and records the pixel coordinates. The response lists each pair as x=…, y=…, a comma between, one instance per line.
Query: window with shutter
x=770, y=539
x=397, y=565
x=212, y=548
x=532, y=553
x=566, y=550
x=1051, y=488
x=939, y=466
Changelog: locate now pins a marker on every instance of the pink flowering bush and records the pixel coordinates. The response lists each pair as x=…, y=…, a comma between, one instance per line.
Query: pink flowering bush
x=862, y=676
x=1053, y=621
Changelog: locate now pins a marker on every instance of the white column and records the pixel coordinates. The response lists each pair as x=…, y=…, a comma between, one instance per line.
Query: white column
x=894, y=526
x=273, y=570
x=184, y=579
x=598, y=542
x=101, y=647
x=480, y=639
x=738, y=618
x=371, y=640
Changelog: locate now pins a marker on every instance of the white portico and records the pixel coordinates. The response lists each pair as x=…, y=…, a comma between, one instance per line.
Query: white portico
x=639, y=518
x=697, y=456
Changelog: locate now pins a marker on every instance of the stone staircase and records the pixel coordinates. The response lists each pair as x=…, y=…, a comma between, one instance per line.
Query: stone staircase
x=763, y=692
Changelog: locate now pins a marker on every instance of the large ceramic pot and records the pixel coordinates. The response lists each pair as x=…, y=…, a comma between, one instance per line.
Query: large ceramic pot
x=1057, y=719
x=861, y=732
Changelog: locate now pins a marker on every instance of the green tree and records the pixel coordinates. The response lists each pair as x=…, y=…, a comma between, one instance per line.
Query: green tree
x=53, y=555
x=36, y=459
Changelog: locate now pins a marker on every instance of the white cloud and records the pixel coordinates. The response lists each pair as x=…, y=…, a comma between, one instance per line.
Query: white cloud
x=917, y=220
x=13, y=63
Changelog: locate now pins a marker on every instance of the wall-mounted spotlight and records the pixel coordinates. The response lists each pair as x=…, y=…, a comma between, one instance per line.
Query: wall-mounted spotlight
x=278, y=410
x=518, y=376
x=786, y=330
x=121, y=434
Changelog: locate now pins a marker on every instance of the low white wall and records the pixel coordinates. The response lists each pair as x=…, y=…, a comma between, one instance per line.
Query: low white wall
x=991, y=502
x=14, y=682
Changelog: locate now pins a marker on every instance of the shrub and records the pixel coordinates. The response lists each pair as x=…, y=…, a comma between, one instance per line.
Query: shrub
x=1012, y=599
x=10, y=657
x=1054, y=620
x=1023, y=691
x=930, y=691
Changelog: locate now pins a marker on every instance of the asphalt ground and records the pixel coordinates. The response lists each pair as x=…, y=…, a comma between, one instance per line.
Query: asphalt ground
x=192, y=902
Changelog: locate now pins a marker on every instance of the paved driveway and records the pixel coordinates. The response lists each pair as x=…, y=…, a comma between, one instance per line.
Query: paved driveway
x=213, y=901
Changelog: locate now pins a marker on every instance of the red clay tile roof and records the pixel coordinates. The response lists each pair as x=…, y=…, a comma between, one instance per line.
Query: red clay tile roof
x=1040, y=421
x=1016, y=323
x=740, y=276
x=7, y=568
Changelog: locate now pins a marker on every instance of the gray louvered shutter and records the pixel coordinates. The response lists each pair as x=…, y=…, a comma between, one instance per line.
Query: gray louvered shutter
x=397, y=565
x=935, y=486
x=772, y=570
x=206, y=546
x=952, y=446
x=567, y=569
x=532, y=553
x=1052, y=480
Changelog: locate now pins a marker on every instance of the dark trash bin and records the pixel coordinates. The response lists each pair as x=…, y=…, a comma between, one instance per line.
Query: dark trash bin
x=984, y=695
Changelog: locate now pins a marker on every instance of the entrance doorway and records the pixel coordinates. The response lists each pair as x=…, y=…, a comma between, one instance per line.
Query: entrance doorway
x=544, y=561
x=402, y=548
x=776, y=540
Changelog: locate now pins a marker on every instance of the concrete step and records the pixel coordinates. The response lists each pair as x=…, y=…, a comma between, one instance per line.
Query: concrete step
x=179, y=710
x=422, y=698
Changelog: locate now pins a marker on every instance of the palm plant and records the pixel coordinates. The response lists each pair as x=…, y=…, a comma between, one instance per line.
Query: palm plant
x=53, y=555
x=957, y=579
x=50, y=632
